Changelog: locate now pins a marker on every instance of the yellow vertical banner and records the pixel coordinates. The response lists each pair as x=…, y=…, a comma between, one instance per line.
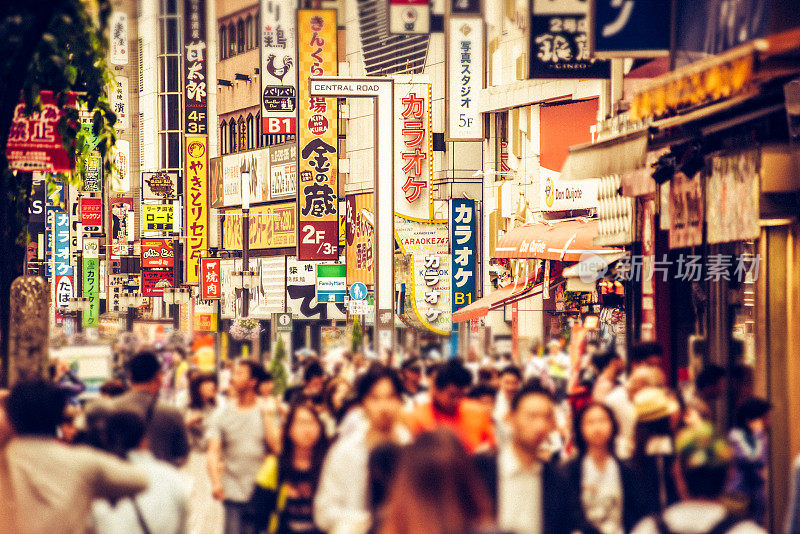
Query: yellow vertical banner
x=317, y=139
x=196, y=205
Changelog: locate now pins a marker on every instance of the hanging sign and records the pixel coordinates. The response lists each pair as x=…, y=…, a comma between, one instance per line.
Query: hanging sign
x=278, y=67
x=318, y=186
x=465, y=78
x=157, y=253
x=34, y=143
x=196, y=205
x=118, y=30
x=195, y=86
x=159, y=185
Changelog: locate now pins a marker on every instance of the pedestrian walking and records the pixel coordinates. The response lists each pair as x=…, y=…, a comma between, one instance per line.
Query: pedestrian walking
x=237, y=445
x=287, y=482
x=605, y=489
x=449, y=408
x=49, y=486
x=341, y=503
x=437, y=490
x=162, y=508
x=527, y=486
x=704, y=461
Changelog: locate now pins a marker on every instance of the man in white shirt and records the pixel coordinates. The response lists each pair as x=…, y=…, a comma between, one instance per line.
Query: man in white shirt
x=530, y=492
x=341, y=505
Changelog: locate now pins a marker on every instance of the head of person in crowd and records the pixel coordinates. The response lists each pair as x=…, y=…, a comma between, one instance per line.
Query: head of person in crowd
x=379, y=393
x=484, y=394
x=450, y=386
x=655, y=408
x=266, y=388
x=710, y=383
x=608, y=364
x=411, y=371
x=647, y=353
x=436, y=490
x=144, y=372
x=704, y=461
x=246, y=377
x=313, y=378
x=35, y=408
x=303, y=436
x=510, y=381
x=595, y=428
x=335, y=395
x=125, y=430
x=753, y=416
x=488, y=375
x=202, y=391
x=112, y=388
x=532, y=418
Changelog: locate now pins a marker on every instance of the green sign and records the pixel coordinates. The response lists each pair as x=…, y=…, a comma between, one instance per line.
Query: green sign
x=91, y=289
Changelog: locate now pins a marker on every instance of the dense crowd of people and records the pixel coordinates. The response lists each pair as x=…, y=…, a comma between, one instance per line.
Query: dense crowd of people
x=587, y=442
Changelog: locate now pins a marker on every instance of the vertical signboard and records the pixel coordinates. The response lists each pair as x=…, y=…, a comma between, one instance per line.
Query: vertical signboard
x=409, y=16
x=118, y=45
x=413, y=150
x=196, y=205
x=211, y=281
x=465, y=78
x=91, y=281
x=559, y=44
x=462, y=239
x=359, y=238
x=278, y=67
x=195, y=86
x=317, y=135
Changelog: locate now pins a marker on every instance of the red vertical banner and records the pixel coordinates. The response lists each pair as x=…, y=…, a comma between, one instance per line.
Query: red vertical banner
x=210, y=279
x=318, y=140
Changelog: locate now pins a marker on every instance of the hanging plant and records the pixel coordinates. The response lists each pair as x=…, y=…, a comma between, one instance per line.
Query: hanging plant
x=244, y=328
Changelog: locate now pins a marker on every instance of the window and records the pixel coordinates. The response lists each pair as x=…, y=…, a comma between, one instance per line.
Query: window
x=223, y=42
x=231, y=40
x=232, y=136
x=223, y=138
x=242, y=134
x=240, y=37
x=251, y=36
x=259, y=137
x=250, y=132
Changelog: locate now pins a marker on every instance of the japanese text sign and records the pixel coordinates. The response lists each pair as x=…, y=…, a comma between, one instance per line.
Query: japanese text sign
x=413, y=150
x=211, y=279
x=195, y=61
x=157, y=253
x=463, y=239
x=154, y=282
x=465, y=77
x=359, y=239
x=318, y=141
x=196, y=205
x=278, y=67
x=559, y=42
x=34, y=143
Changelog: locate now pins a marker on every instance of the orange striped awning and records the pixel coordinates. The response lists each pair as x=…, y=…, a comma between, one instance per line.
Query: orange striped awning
x=565, y=240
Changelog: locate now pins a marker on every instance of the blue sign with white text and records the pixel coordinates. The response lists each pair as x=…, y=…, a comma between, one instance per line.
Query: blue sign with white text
x=463, y=242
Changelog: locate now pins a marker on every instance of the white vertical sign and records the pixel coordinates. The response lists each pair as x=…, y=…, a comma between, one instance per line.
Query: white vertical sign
x=118, y=38
x=278, y=66
x=465, y=77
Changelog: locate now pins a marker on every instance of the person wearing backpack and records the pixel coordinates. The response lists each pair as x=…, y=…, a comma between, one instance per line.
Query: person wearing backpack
x=703, y=462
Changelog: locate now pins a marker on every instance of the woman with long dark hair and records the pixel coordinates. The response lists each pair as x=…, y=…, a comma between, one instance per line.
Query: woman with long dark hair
x=604, y=488
x=287, y=481
x=436, y=490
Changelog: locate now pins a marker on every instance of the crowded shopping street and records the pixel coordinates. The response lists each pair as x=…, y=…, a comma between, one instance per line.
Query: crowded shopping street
x=399, y=267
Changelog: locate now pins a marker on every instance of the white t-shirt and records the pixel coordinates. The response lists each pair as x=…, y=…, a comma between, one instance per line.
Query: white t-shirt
x=694, y=517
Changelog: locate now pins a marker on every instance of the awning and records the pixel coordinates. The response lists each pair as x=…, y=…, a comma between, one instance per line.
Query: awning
x=566, y=240
x=584, y=275
x=619, y=155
